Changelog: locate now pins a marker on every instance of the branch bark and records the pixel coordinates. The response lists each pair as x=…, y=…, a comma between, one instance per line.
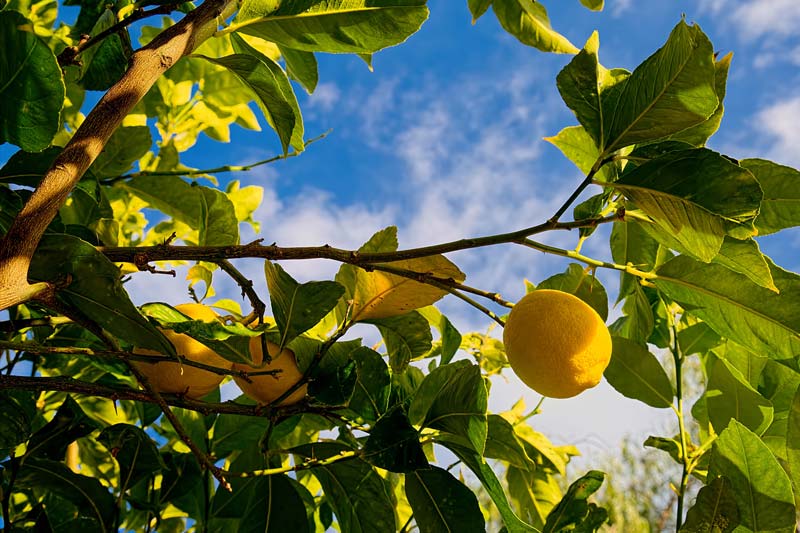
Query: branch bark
x=146, y=66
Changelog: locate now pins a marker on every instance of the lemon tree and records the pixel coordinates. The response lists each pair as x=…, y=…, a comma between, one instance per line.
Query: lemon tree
x=273, y=415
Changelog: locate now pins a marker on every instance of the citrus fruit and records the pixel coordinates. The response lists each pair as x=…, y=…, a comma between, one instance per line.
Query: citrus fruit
x=267, y=388
x=556, y=343
x=177, y=378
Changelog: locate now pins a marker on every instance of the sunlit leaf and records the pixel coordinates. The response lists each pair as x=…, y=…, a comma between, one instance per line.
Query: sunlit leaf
x=670, y=91
x=630, y=244
x=637, y=374
x=573, y=509
x=594, y=5
x=478, y=8
x=793, y=441
x=696, y=195
x=127, y=145
x=31, y=86
x=450, y=338
x=334, y=26
x=736, y=308
x=441, y=503
x=301, y=66
x=761, y=488
x=527, y=20
x=576, y=280
x=503, y=443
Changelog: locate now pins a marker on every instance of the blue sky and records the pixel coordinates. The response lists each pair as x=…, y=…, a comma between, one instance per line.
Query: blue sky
x=444, y=140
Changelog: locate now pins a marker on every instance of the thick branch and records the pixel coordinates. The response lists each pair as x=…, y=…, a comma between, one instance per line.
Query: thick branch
x=146, y=66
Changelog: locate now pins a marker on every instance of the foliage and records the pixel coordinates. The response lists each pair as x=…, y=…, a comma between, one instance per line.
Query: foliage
x=368, y=448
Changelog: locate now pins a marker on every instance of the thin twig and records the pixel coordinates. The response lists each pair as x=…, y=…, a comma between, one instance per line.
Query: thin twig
x=311, y=463
x=247, y=290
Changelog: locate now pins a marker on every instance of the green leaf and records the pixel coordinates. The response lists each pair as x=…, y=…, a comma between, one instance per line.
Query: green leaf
x=793, y=442
x=503, y=443
x=730, y=396
x=441, y=503
x=780, y=207
x=104, y=64
x=527, y=21
x=93, y=501
x=778, y=383
x=275, y=507
x=275, y=94
x=127, y=145
x=68, y=424
x=582, y=284
x=136, y=454
x=639, y=321
x=360, y=498
x=31, y=86
x=26, y=168
x=594, y=5
x=671, y=446
x=182, y=483
x=393, y=443
x=697, y=338
x=761, y=488
x=670, y=91
x=370, y=397
x=637, y=374
x=714, y=510
x=573, y=508
x=334, y=26
x=584, y=85
x=757, y=318
x=298, y=307
x=453, y=398
x=301, y=66
x=95, y=289
x=333, y=385
x=478, y=8
x=630, y=244
x=204, y=209
x=234, y=503
x=17, y=411
x=407, y=337
x=696, y=195
x=450, y=338
x=699, y=134
x=237, y=432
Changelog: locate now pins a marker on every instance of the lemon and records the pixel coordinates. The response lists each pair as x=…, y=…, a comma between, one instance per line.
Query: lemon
x=556, y=343
x=176, y=378
x=267, y=388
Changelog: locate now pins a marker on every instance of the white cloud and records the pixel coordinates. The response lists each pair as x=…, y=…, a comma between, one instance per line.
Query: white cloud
x=766, y=17
x=324, y=98
x=779, y=123
x=620, y=7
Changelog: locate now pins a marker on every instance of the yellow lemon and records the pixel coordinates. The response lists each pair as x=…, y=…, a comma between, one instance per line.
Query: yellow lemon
x=176, y=378
x=267, y=388
x=556, y=343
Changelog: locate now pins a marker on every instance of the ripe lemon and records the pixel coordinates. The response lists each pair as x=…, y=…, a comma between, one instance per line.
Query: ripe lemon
x=183, y=379
x=556, y=343
x=266, y=388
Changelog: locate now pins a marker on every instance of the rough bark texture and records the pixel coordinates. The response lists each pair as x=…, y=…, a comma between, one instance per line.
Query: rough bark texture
x=146, y=66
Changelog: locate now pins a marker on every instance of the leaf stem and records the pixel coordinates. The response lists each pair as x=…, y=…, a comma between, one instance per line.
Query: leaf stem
x=572, y=254
x=678, y=358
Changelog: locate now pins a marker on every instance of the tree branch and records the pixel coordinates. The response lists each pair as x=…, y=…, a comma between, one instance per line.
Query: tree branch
x=146, y=66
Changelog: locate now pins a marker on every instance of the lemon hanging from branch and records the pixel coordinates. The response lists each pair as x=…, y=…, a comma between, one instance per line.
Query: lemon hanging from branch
x=556, y=343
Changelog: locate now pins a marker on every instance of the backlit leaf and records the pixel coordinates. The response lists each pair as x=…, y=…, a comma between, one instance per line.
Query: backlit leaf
x=334, y=26
x=393, y=444
x=527, y=20
x=760, y=486
x=95, y=289
x=729, y=396
x=127, y=145
x=31, y=86
x=630, y=244
x=441, y=503
x=478, y=8
x=793, y=441
x=714, y=511
x=780, y=207
x=407, y=337
x=757, y=318
x=637, y=374
x=576, y=280
x=573, y=509
x=453, y=398
x=449, y=337
x=298, y=307
x=301, y=66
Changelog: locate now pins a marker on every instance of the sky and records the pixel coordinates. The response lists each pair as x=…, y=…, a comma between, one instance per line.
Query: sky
x=444, y=140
